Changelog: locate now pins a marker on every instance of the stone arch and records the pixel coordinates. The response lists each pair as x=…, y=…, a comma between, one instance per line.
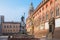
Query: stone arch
x=51, y=12
x=47, y=15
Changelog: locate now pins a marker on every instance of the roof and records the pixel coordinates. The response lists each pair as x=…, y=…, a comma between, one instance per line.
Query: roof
x=12, y=22
x=40, y=5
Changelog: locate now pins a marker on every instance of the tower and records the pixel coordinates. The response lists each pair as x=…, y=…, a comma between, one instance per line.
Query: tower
x=1, y=20
x=31, y=9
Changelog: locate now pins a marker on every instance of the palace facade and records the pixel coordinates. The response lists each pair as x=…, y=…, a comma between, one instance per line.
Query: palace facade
x=41, y=15
x=10, y=28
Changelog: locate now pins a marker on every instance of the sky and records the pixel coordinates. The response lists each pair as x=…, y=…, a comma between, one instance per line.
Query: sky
x=12, y=10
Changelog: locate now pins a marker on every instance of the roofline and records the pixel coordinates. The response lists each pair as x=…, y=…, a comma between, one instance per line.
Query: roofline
x=12, y=22
x=39, y=6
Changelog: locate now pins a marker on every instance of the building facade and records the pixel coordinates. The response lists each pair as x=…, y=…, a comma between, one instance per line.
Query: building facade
x=10, y=27
x=44, y=11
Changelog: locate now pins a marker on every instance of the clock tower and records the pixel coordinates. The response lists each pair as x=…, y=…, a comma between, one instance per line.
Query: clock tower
x=31, y=9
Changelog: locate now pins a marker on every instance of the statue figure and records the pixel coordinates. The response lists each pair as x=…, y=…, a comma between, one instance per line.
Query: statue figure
x=22, y=26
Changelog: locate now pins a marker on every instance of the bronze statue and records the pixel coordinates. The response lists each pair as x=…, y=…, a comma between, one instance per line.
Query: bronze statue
x=22, y=26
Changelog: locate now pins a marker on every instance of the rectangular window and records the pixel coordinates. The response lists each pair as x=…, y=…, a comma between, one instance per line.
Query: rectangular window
x=46, y=16
x=10, y=26
x=57, y=12
x=46, y=5
x=50, y=2
x=51, y=14
x=43, y=18
x=13, y=26
x=16, y=26
x=11, y=31
x=5, y=26
x=55, y=0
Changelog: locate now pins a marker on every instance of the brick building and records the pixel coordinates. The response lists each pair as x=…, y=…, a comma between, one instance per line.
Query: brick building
x=44, y=11
x=10, y=27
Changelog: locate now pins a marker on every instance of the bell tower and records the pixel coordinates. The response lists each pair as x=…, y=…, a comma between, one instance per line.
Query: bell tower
x=31, y=8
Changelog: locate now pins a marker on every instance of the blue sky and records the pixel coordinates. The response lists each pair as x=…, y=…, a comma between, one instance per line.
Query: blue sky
x=14, y=9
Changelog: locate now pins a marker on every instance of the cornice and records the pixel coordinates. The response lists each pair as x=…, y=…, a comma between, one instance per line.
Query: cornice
x=40, y=5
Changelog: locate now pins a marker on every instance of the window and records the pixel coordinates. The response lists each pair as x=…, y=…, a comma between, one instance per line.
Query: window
x=46, y=16
x=40, y=10
x=46, y=6
x=51, y=14
x=43, y=18
x=50, y=2
x=13, y=26
x=14, y=30
x=55, y=0
x=6, y=30
x=5, y=26
x=57, y=11
x=43, y=8
x=10, y=26
x=16, y=26
x=10, y=30
x=40, y=19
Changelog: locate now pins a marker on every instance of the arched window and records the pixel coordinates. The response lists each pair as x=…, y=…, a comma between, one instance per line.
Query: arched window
x=46, y=16
x=43, y=18
x=40, y=19
x=57, y=11
x=4, y=26
x=51, y=14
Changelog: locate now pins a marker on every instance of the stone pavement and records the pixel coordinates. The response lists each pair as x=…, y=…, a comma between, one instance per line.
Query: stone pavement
x=32, y=39
x=24, y=39
x=3, y=37
x=22, y=36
